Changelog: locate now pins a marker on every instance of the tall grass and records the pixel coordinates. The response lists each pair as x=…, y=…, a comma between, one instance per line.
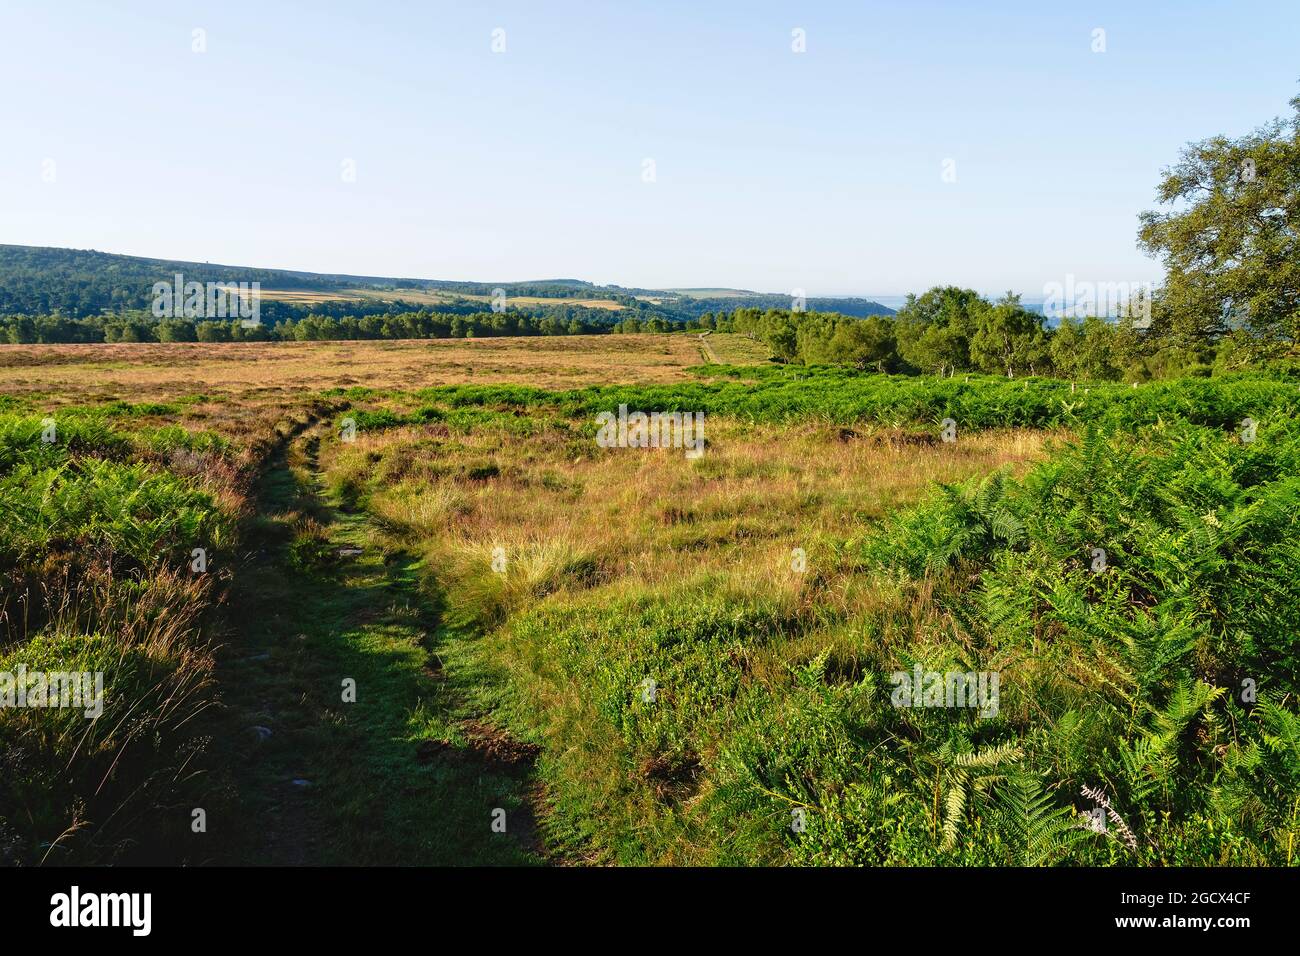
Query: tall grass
x=97, y=531
x=116, y=788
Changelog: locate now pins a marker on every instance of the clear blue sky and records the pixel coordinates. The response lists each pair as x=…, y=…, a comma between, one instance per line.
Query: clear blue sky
x=774, y=170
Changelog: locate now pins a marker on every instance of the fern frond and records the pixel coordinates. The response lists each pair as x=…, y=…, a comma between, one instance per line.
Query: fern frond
x=1037, y=832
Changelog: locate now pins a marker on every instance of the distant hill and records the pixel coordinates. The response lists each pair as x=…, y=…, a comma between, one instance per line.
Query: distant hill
x=41, y=280
x=693, y=305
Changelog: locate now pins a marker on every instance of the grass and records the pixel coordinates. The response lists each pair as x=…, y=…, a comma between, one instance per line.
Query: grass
x=734, y=349
x=608, y=558
x=575, y=578
x=396, y=776
x=252, y=373
x=99, y=531
x=640, y=657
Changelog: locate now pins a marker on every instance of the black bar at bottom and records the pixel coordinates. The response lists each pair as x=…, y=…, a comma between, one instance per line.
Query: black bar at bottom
x=336, y=905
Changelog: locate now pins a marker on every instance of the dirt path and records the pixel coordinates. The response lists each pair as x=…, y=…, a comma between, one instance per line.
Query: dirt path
x=403, y=774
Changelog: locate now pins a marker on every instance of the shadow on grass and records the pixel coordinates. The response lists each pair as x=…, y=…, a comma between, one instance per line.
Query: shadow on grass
x=399, y=776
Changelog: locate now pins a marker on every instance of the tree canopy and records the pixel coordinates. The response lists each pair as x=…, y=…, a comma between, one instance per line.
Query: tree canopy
x=1229, y=240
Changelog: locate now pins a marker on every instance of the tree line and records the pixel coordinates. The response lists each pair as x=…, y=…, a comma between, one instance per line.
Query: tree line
x=948, y=330
x=141, y=326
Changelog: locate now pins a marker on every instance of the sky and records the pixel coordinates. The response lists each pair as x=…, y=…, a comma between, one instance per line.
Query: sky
x=662, y=144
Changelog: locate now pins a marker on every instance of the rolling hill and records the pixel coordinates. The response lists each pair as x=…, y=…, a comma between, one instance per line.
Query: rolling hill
x=41, y=280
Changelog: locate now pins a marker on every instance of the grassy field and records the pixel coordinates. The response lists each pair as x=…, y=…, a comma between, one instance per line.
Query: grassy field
x=161, y=371
x=562, y=652
x=733, y=349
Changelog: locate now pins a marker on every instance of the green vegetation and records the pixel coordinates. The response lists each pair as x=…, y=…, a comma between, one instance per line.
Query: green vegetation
x=646, y=679
x=300, y=324
x=402, y=775
x=96, y=542
x=1157, y=687
x=842, y=396
x=947, y=331
x=1230, y=242
x=1164, y=674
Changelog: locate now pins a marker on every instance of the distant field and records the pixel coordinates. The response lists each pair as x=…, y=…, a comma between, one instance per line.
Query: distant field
x=609, y=304
x=183, y=368
x=421, y=297
x=737, y=349
x=714, y=293
x=317, y=296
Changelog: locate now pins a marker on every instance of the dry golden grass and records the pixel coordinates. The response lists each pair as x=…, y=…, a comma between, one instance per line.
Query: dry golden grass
x=653, y=517
x=319, y=296
x=735, y=349
x=609, y=305
x=588, y=533
x=155, y=371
